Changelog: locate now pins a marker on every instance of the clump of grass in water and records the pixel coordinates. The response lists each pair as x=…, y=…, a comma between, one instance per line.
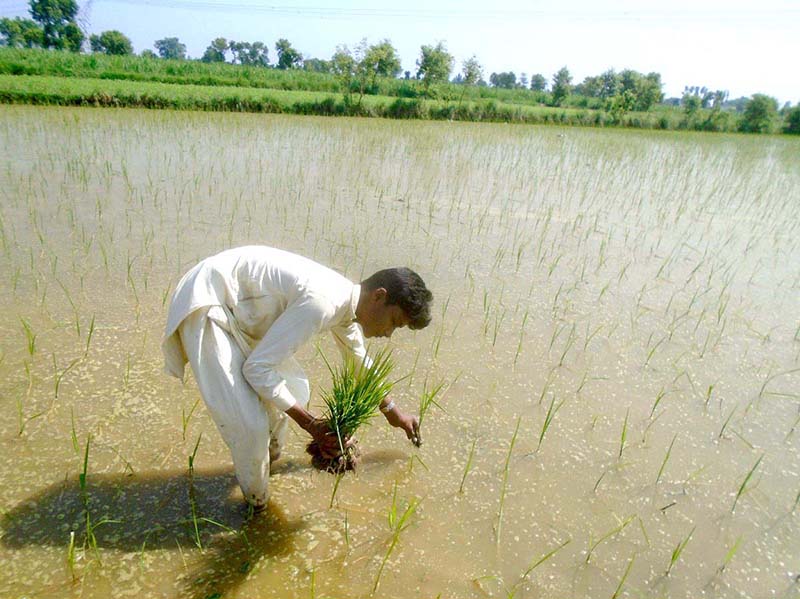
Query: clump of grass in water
x=743, y=486
x=353, y=399
x=397, y=524
x=676, y=553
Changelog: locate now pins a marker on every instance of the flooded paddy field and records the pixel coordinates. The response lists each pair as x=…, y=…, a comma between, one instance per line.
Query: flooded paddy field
x=616, y=324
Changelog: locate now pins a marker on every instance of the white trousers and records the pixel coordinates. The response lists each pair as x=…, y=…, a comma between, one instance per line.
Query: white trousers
x=253, y=429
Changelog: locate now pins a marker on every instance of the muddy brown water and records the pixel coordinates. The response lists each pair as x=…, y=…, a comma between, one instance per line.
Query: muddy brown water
x=634, y=291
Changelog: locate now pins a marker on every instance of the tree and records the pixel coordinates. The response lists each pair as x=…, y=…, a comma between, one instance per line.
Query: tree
x=216, y=51
x=760, y=115
x=523, y=80
x=538, y=83
x=648, y=91
x=591, y=87
x=505, y=80
x=171, y=47
x=57, y=18
x=610, y=84
x=562, y=85
x=472, y=71
x=720, y=97
x=434, y=64
x=345, y=67
x=20, y=33
x=691, y=103
x=381, y=60
x=288, y=57
x=317, y=65
x=72, y=37
x=148, y=53
x=111, y=42
x=252, y=54
x=792, y=121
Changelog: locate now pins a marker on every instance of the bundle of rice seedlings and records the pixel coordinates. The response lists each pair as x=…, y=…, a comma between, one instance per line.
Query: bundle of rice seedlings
x=356, y=393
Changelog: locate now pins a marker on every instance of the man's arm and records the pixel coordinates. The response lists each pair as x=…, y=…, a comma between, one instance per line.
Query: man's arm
x=292, y=329
x=398, y=419
x=326, y=439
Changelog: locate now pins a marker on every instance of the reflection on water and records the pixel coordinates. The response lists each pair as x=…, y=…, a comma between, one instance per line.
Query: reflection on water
x=629, y=297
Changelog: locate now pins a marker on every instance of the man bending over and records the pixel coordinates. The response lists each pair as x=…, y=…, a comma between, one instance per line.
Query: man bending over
x=239, y=317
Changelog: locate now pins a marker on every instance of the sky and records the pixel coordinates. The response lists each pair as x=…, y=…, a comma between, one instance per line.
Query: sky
x=741, y=46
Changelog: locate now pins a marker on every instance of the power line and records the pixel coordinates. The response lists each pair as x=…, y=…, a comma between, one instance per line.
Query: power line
x=333, y=12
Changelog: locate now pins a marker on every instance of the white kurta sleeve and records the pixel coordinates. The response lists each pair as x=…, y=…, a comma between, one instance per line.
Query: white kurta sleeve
x=299, y=322
x=350, y=341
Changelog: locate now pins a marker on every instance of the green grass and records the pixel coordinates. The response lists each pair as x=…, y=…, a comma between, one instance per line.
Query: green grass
x=356, y=394
x=100, y=92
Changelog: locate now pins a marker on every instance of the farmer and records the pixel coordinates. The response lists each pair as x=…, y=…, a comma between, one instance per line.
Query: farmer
x=239, y=317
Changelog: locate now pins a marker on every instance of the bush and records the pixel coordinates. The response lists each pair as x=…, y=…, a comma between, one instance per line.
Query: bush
x=405, y=109
x=760, y=115
x=792, y=125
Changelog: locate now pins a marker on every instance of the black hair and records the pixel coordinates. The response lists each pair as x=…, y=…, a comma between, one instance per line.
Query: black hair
x=406, y=289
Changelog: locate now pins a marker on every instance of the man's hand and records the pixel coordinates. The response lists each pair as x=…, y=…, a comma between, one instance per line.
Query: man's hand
x=409, y=424
x=326, y=439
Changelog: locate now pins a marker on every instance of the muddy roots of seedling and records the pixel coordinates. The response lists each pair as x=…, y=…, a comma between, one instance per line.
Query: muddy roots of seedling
x=347, y=461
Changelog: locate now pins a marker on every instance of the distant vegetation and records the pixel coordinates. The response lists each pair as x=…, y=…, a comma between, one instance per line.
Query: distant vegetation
x=626, y=98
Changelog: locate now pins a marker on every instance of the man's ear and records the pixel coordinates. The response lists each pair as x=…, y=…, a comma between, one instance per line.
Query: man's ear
x=379, y=294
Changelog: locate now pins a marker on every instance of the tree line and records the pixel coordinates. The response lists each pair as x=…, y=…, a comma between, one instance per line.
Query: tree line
x=53, y=26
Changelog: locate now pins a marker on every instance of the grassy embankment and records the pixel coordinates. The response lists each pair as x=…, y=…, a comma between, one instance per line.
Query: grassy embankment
x=62, y=78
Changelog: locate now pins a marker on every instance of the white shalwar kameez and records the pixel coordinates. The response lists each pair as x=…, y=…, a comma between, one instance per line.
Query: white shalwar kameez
x=238, y=318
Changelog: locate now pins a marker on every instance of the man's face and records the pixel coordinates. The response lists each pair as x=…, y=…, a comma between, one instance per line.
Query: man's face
x=380, y=319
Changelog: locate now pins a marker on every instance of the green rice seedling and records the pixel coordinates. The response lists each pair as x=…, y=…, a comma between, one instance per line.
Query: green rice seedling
x=796, y=503
x=653, y=351
x=769, y=379
x=126, y=376
x=352, y=401
x=346, y=531
x=729, y=555
x=521, y=335
x=428, y=399
x=547, y=383
x=397, y=524
x=542, y=560
x=239, y=533
x=599, y=480
x=611, y=533
x=743, y=486
x=504, y=485
x=89, y=337
x=590, y=336
x=468, y=466
x=568, y=345
x=624, y=577
x=192, y=498
x=552, y=410
x=725, y=424
x=22, y=419
x=185, y=418
x=623, y=434
x=58, y=376
x=30, y=336
x=556, y=333
x=74, y=435
x=708, y=396
x=676, y=553
x=666, y=459
x=644, y=532
x=498, y=320
x=338, y=476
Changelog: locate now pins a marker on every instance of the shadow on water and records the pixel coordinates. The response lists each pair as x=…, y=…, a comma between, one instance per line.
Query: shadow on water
x=153, y=511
